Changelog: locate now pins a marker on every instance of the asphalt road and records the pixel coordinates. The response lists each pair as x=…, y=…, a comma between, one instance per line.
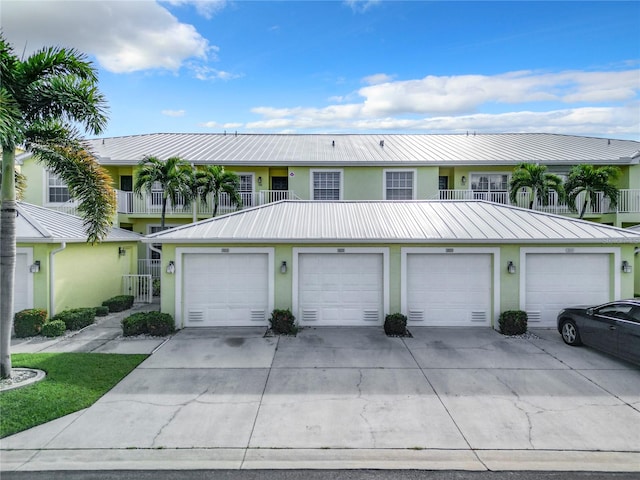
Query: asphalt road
x=311, y=475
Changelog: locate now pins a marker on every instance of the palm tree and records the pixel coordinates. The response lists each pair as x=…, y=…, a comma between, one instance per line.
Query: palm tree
x=172, y=175
x=535, y=179
x=44, y=99
x=215, y=180
x=20, y=183
x=591, y=180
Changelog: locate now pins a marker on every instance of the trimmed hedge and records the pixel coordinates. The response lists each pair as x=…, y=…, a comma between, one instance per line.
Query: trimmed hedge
x=151, y=323
x=55, y=328
x=395, y=324
x=283, y=322
x=76, y=318
x=513, y=322
x=102, y=311
x=119, y=303
x=28, y=323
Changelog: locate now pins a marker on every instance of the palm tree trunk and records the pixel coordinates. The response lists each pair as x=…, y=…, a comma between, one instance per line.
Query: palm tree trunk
x=7, y=259
x=164, y=211
x=216, y=199
x=584, y=207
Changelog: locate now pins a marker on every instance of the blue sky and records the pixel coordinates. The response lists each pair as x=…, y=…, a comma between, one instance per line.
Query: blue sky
x=351, y=66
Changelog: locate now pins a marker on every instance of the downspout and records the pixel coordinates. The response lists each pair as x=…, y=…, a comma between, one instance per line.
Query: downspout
x=52, y=304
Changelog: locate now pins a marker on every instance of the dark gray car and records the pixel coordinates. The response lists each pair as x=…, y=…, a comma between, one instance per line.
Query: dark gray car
x=612, y=327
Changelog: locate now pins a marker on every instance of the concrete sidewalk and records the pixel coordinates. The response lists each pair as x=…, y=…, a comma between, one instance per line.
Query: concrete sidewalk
x=455, y=399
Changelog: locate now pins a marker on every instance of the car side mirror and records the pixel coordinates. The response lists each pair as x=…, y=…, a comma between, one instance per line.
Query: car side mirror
x=589, y=311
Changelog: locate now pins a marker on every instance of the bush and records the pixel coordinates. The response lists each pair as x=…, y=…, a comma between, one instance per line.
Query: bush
x=152, y=323
x=28, y=323
x=76, y=318
x=513, y=322
x=283, y=322
x=119, y=303
x=54, y=328
x=156, y=287
x=395, y=324
x=102, y=311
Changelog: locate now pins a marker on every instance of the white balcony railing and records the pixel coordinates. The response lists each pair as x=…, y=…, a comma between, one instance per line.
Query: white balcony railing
x=148, y=266
x=131, y=203
x=628, y=201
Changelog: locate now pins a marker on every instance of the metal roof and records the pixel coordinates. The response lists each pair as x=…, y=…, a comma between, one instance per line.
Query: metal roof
x=367, y=149
x=439, y=221
x=36, y=224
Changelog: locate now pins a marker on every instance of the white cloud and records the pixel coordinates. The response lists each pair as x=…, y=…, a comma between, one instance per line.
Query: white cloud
x=123, y=36
x=590, y=103
x=205, y=8
x=361, y=6
x=202, y=72
x=228, y=125
x=173, y=113
x=377, y=79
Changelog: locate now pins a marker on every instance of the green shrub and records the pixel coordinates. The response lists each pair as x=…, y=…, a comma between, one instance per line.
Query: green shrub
x=28, y=323
x=76, y=318
x=119, y=303
x=513, y=322
x=54, y=328
x=156, y=287
x=283, y=322
x=395, y=324
x=160, y=324
x=102, y=311
x=151, y=323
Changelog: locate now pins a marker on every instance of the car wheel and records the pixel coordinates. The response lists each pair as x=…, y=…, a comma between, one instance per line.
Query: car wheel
x=570, y=333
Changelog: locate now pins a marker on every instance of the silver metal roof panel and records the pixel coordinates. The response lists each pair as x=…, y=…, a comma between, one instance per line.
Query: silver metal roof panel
x=366, y=149
x=433, y=221
x=41, y=225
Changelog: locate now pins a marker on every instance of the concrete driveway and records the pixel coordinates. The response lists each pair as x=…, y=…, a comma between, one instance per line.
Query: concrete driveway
x=447, y=398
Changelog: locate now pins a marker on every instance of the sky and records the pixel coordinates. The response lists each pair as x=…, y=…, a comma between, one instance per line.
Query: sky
x=335, y=66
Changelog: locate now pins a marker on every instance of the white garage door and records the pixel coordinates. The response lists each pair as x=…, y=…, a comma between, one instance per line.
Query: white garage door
x=340, y=289
x=225, y=289
x=449, y=290
x=555, y=281
x=23, y=293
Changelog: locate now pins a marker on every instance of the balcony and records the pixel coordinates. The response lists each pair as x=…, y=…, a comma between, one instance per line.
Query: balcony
x=628, y=201
x=151, y=204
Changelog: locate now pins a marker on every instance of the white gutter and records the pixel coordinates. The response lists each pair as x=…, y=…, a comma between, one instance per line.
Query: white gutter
x=52, y=304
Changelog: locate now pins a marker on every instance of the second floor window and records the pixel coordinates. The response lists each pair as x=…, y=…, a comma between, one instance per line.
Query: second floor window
x=399, y=185
x=326, y=185
x=57, y=191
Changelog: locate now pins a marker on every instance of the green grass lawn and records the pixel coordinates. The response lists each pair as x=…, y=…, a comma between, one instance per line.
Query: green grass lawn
x=74, y=381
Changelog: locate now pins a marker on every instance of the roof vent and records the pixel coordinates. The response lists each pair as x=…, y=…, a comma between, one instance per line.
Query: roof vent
x=382, y=143
x=333, y=143
x=609, y=141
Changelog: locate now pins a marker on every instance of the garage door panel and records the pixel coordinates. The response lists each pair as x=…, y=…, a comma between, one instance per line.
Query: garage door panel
x=226, y=290
x=340, y=289
x=449, y=290
x=555, y=281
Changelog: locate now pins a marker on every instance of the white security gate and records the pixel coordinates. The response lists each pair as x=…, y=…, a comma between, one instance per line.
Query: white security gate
x=554, y=281
x=448, y=289
x=340, y=289
x=225, y=289
x=140, y=286
x=23, y=286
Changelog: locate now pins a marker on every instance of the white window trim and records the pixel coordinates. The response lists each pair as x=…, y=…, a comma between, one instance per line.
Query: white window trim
x=45, y=192
x=297, y=251
x=404, y=252
x=252, y=183
x=180, y=251
x=568, y=251
x=471, y=174
x=414, y=190
x=326, y=170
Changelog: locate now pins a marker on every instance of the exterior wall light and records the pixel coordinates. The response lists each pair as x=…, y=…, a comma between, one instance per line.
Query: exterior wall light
x=121, y=251
x=511, y=267
x=171, y=267
x=626, y=267
x=260, y=181
x=283, y=267
x=463, y=180
x=35, y=268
